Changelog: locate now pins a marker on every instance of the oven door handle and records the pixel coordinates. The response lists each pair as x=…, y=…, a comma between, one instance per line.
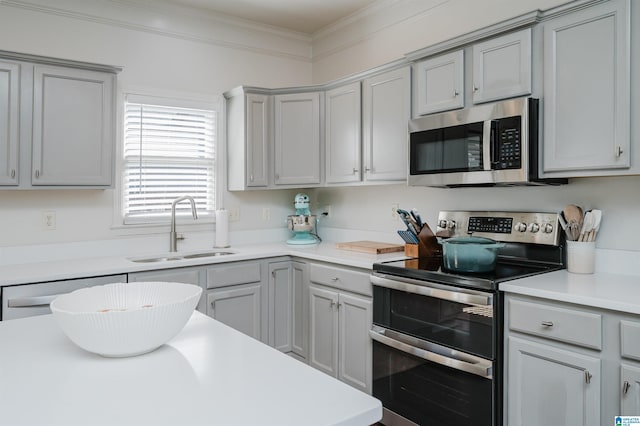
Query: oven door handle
x=444, y=356
x=31, y=302
x=418, y=287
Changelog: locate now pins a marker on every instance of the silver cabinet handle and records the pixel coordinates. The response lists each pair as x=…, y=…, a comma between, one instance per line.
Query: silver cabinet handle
x=418, y=287
x=619, y=151
x=475, y=88
x=37, y=174
x=332, y=304
x=455, y=93
x=547, y=323
x=355, y=170
x=31, y=302
x=433, y=352
x=625, y=387
x=13, y=173
x=587, y=376
x=334, y=279
x=367, y=169
x=250, y=178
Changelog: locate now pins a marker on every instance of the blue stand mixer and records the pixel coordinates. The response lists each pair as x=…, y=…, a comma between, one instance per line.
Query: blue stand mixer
x=303, y=223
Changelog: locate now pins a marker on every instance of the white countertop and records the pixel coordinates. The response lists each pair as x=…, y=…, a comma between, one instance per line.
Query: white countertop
x=600, y=290
x=107, y=265
x=208, y=374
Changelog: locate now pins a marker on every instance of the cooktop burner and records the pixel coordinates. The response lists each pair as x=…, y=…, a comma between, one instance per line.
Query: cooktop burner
x=431, y=269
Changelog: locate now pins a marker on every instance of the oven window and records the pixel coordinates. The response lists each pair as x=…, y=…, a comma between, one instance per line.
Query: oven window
x=452, y=149
x=428, y=393
x=469, y=328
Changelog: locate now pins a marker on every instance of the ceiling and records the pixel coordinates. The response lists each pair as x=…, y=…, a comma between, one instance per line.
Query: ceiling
x=306, y=16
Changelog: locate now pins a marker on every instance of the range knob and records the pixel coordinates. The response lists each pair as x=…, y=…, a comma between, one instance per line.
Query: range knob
x=521, y=227
x=451, y=224
x=547, y=228
x=442, y=224
x=534, y=227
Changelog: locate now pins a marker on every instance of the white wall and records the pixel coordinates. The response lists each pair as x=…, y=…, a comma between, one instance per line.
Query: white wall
x=166, y=51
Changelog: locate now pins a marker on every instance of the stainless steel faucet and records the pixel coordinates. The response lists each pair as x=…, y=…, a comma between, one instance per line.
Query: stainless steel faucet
x=173, y=237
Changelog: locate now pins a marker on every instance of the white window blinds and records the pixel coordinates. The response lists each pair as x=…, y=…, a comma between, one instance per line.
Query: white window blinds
x=169, y=152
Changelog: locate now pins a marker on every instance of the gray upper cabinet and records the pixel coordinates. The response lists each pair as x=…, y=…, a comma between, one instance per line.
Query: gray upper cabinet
x=342, y=134
x=586, y=91
x=297, y=139
x=249, y=139
x=9, y=121
x=502, y=67
x=386, y=111
x=439, y=83
x=73, y=125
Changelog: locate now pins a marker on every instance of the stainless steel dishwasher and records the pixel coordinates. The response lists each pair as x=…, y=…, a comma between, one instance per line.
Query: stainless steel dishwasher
x=26, y=300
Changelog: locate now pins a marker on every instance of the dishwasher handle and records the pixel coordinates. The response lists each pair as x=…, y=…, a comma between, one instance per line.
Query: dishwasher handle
x=31, y=302
x=433, y=352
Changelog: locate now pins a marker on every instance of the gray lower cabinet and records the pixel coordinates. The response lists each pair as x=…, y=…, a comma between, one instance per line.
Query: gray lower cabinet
x=237, y=295
x=287, y=307
x=587, y=91
x=339, y=324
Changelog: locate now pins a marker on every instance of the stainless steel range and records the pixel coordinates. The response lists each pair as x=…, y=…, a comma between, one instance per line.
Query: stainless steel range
x=437, y=334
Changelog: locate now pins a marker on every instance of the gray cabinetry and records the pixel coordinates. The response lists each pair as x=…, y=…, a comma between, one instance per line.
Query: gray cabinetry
x=502, y=67
x=297, y=139
x=386, y=111
x=249, y=137
x=439, y=83
x=57, y=123
x=586, y=91
x=9, y=121
x=339, y=323
x=73, y=125
x=237, y=296
x=342, y=134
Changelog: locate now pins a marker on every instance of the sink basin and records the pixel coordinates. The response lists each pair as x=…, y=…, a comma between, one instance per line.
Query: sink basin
x=163, y=258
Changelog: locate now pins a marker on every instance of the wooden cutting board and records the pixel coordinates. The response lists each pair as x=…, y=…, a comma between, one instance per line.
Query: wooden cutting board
x=372, y=247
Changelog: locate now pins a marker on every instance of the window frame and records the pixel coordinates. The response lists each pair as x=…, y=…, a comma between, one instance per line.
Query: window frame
x=183, y=100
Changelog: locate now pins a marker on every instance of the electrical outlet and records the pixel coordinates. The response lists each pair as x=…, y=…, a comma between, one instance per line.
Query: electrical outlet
x=326, y=209
x=394, y=210
x=234, y=214
x=266, y=214
x=49, y=220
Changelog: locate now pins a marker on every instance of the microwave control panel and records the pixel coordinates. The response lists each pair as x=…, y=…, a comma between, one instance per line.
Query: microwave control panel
x=507, y=146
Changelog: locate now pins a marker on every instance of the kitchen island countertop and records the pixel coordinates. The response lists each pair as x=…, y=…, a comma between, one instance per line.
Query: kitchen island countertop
x=209, y=374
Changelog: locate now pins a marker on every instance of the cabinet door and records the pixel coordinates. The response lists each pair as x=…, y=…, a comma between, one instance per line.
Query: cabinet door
x=257, y=128
x=502, y=67
x=73, y=122
x=355, y=358
x=297, y=139
x=386, y=110
x=9, y=122
x=299, y=275
x=439, y=83
x=630, y=390
x=551, y=386
x=342, y=134
x=323, y=330
x=280, y=305
x=238, y=307
x=586, y=91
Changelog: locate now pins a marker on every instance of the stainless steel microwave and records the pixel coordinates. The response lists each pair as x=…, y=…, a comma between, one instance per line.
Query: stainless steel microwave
x=484, y=145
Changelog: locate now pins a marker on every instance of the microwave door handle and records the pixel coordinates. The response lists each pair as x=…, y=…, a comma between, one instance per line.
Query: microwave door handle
x=444, y=356
x=453, y=296
x=487, y=145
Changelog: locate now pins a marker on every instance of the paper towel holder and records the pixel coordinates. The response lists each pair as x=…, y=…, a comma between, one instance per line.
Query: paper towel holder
x=222, y=229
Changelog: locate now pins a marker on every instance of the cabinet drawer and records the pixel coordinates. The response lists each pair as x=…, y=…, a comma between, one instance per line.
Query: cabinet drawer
x=558, y=323
x=233, y=273
x=630, y=339
x=341, y=278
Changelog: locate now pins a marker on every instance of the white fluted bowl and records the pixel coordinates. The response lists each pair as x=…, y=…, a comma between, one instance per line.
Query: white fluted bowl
x=125, y=319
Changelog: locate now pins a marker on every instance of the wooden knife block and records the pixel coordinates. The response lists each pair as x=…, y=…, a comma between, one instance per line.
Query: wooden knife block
x=428, y=246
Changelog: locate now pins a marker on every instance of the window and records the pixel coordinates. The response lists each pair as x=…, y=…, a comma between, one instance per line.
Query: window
x=169, y=151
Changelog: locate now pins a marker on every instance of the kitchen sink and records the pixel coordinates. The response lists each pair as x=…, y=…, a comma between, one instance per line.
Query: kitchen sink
x=164, y=258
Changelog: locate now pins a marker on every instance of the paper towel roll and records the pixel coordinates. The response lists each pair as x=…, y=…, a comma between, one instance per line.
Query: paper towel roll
x=222, y=228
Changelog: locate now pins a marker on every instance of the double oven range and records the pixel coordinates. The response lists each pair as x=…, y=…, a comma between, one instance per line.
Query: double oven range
x=438, y=334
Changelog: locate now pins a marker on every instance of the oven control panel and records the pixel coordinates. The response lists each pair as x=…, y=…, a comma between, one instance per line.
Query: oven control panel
x=518, y=227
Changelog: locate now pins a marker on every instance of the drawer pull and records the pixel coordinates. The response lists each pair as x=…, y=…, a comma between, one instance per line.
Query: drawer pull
x=334, y=279
x=547, y=323
x=625, y=387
